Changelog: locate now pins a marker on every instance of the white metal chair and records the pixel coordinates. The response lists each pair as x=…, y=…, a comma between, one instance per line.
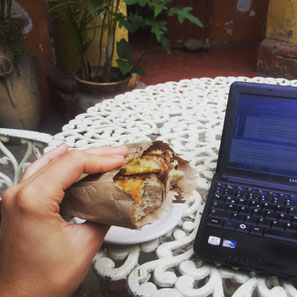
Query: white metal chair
x=18, y=148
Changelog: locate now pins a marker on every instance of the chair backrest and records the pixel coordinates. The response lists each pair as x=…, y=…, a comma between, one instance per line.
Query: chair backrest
x=18, y=148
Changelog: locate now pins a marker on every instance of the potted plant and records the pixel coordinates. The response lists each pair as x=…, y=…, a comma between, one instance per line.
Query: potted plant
x=19, y=96
x=81, y=16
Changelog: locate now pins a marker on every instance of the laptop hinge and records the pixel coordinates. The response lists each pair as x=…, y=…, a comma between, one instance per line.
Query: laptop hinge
x=260, y=183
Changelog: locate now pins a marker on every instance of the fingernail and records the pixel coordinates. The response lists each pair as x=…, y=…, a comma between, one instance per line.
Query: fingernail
x=119, y=147
x=117, y=157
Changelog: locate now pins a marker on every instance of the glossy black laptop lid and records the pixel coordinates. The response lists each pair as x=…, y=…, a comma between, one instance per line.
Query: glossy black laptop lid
x=258, y=147
x=260, y=133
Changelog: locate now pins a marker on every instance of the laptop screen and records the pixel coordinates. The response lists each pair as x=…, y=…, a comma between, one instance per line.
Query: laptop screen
x=265, y=135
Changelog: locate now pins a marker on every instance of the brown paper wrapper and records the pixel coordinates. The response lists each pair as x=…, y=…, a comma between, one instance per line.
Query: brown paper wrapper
x=98, y=199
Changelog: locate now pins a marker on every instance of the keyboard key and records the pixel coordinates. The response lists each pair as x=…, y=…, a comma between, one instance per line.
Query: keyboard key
x=243, y=195
x=218, y=214
x=255, y=204
x=294, y=219
x=252, y=197
x=229, y=225
x=278, y=225
x=231, y=189
x=291, y=228
x=292, y=201
x=218, y=205
x=258, y=213
x=231, y=208
x=243, y=202
x=274, y=195
x=219, y=196
x=231, y=201
x=235, y=217
x=284, y=196
x=294, y=225
x=264, y=223
x=243, y=228
x=257, y=230
x=264, y=199
x=229, y=198
x=241, y=189
x=215, y=222
x=267, y=206
x=244, y=210
x=292, y=210
x=281, y=209
x=252, y=221
x=278, y=201
x=269, y=215
x=221, y=185
x=285, y=218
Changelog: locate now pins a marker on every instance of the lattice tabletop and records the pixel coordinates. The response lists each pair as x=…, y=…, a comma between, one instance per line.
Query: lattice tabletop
x=189, y=116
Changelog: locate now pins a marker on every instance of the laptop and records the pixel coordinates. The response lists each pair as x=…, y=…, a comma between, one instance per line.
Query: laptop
x=250, y=217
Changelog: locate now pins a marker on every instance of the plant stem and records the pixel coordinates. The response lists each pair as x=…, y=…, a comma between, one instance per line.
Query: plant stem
x=107, y=64
x=85, y=69
x=101, y=43
x=2, y=9
x=8, y=8
x=114, y=29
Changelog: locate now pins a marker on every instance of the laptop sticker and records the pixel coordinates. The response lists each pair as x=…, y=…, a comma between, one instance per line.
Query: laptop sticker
x=213, y=240
x=231, y=244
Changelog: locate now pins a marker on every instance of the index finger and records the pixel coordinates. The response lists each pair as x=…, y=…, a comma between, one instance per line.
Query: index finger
x=61, y=150
x=63, y=172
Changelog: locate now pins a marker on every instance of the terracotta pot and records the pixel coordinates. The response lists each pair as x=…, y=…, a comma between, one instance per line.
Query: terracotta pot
x=19, y=94
x=99, y=88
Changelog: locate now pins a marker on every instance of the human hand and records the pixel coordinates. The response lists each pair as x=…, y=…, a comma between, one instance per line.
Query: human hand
x=42, y=255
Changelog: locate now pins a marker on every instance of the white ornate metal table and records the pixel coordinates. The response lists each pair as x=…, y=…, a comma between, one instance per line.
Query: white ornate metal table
x=189, y=116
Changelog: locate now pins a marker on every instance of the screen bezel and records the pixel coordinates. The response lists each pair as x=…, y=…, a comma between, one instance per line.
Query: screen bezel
x=255, y=89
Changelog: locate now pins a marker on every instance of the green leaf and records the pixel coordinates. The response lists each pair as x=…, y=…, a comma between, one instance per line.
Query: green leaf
x=142, y=3
x=95, y=3
x=124, y=49
x=158, y=8
x=184, y=13
x=165, y=44
x=124, y=66
x=138, y=70
x=131, y=2
x=133, y=22
x=123, y=22
x=158, y=27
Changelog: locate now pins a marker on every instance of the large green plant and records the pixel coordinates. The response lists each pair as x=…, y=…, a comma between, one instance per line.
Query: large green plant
x=80, y=15
x=11, y=32
x=160, y=10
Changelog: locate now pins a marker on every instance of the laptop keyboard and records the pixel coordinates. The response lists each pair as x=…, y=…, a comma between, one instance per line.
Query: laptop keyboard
x=255, y=211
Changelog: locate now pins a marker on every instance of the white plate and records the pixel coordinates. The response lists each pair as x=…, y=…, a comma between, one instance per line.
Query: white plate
x=119, y=235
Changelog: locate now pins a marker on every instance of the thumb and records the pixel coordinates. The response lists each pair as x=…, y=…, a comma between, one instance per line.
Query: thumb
x=89, y=237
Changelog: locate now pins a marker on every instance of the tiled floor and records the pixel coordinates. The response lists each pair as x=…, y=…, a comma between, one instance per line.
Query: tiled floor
x=181, y=64
x=232, y=61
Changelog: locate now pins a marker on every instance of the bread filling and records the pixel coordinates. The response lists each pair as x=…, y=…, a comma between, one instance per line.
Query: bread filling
x=148, y=179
